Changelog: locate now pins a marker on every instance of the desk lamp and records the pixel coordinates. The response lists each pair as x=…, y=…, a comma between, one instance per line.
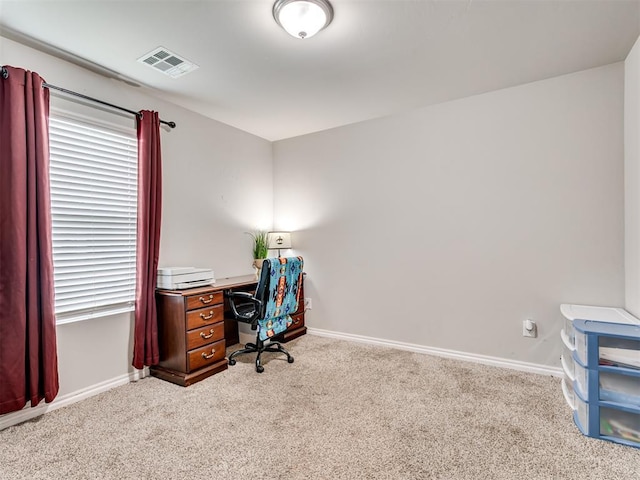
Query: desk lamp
x=279, y=240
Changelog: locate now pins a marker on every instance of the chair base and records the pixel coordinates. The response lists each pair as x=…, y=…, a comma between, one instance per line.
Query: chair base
x=260, y=347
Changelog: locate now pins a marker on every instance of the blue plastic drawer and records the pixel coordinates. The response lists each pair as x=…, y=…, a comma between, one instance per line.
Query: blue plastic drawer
x=618, y=388
x=611, y=351
x=613, y=387
x=620, y=424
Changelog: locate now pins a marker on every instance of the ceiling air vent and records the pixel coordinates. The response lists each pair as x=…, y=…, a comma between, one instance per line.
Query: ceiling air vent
x=168, y=62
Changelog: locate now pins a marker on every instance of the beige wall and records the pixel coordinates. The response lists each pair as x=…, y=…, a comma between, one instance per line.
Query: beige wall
x=632, y=179
x=449, y=225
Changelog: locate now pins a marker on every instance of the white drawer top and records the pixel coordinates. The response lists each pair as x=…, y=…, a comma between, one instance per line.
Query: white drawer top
x=599, y=314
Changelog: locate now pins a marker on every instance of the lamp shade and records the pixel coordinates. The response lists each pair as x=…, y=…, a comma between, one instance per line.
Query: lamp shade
x=279, y=240
x=302, y=18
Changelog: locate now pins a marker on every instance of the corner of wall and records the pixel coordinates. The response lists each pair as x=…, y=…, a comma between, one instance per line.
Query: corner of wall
x=632, y=179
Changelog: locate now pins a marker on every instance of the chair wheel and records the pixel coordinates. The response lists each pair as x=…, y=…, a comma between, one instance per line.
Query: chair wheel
x=259, y=369
x=232, y=362
x=290, y=359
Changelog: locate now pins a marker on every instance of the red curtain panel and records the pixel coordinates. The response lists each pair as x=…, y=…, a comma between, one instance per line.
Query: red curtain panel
x=145, y=342
x=28, y=357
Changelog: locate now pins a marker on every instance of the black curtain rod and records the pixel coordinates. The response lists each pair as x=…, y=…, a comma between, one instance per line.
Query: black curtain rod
x=5, y=74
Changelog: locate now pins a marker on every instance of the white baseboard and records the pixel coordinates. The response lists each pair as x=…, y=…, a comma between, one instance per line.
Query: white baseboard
x=441, y=352
x=27, y=413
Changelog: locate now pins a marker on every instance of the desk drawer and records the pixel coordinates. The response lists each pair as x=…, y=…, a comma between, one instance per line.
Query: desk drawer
x=206, y=299
x=204, y=316
x=206, y=355
x=205, y=335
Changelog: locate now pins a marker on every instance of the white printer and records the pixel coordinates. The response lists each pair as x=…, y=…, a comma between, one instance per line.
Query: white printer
x=179, y=278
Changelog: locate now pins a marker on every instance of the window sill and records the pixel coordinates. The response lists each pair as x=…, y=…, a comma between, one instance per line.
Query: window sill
x=73, y=318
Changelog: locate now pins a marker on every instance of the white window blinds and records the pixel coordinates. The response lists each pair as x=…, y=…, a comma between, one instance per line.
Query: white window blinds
x=94, y=206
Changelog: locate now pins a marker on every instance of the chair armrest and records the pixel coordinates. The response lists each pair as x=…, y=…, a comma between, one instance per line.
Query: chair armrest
x=231, y=294
x=248, y=317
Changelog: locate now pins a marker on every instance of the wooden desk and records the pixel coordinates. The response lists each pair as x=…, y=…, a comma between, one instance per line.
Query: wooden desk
x=195, y=326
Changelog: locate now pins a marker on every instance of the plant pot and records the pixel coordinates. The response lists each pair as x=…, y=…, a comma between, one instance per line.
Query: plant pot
x=257, y=263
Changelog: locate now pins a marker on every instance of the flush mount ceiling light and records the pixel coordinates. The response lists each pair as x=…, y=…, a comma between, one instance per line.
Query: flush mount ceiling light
x=302, y=18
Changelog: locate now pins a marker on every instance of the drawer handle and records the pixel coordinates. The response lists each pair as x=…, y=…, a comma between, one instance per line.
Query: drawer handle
x=207, y=357
x=296, y=321
x=205, y=336
x=207, y=317
x=205, y=301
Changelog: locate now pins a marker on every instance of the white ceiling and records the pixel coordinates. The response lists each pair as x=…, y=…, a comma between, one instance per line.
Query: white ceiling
x=378, y=57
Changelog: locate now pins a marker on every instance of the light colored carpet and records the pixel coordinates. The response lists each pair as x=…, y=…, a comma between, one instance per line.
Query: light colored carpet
x=341, y=411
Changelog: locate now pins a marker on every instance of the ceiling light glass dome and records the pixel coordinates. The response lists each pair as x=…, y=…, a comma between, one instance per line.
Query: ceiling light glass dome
x=302, y=18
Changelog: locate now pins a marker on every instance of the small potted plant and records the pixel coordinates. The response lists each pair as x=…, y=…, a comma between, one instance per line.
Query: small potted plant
x=260, y=248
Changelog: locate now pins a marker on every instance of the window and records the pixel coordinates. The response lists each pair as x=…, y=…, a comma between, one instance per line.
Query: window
x=94, y=172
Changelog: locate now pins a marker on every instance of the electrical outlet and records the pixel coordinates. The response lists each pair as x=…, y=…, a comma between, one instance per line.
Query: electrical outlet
x=529, y=328
x=308, y=305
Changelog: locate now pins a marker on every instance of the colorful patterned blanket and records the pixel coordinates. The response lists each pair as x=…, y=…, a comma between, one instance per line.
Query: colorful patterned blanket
x=285, y=279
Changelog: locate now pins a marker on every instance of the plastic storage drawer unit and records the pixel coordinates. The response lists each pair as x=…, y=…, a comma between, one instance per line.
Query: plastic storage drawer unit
x=607, y=381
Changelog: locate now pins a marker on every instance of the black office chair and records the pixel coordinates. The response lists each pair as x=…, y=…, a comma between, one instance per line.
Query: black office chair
x=269, y=309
